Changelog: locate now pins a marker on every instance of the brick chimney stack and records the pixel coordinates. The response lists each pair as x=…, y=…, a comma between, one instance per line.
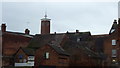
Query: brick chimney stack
x=119, y=21
x=27, y=31
x=115, y=22
x=45, y=25
x=3, y=27
x=77, y=31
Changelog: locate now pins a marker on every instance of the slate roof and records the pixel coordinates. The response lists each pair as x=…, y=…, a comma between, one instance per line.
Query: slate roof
x=83, y=35
x=28, y=51
x=86, y=44
x=40, y=40
x=70, y=44
x=51, y=39
x=59, y=50
x=18, y=33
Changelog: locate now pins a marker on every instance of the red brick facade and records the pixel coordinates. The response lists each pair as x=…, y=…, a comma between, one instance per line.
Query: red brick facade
x=54, y=58
x=14, y=42
x=108, y=47
x=11, y=42
x=45, y=25
x=82, y=47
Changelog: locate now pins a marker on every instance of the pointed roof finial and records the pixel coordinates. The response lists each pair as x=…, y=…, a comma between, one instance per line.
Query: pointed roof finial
x=45, y=14
x=45, y=17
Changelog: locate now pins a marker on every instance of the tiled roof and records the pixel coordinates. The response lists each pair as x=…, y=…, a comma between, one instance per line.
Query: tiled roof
x=40, y=40
x=70, y=45
x=59, y=50
x=18, y=33
x=53, y=40
x=27, y=51
x=85, y=45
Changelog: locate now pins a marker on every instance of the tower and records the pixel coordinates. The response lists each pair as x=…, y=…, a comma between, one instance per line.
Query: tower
x=45, y=25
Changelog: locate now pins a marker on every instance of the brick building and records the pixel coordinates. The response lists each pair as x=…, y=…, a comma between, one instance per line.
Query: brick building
x=60, y=49
x=11, y=42
x=112, y=45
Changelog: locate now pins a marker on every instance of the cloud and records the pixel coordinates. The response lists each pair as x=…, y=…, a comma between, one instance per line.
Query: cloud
x=60, y=0
x=65, y=16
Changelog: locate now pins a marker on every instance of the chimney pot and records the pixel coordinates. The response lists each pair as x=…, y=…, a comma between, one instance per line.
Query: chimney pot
x=77, y=31
x=27, y=31
x=55, y=33
x=118, y=20
x=3, y=27
x=115, y=21
x=67, y=32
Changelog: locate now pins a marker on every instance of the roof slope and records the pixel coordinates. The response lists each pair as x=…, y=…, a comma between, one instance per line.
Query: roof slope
x=40, y=40
x=18, y=33
x=28, y=51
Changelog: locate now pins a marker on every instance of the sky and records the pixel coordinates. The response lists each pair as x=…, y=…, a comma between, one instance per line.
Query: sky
x=94, y=15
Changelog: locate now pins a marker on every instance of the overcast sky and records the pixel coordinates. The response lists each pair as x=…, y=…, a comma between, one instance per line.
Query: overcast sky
x=96, y=17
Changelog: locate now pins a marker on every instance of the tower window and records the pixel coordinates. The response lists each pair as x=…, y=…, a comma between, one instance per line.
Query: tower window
x=113, y=42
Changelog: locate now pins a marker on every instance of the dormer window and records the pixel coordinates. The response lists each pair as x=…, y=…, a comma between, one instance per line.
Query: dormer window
x=113, y=42
x=112, y=30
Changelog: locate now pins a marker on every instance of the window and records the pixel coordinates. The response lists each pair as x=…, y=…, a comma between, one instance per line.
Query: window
x=20, y=56
x=47, y=55
x=31, y=57
x=113, y=60
x=78, y=39
x=112, y=30
x=24, y=61
x=114, y=53
x=113, y=42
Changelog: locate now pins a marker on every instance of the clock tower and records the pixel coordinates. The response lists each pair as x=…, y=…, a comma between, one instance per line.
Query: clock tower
x=45, y=25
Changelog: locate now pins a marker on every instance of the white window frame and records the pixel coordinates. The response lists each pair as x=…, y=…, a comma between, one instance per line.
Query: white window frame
x=47, y=55
x=31, y=58
x=114, y=42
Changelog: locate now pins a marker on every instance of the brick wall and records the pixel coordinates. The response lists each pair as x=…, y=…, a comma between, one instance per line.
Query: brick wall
x=54, y=59
x=10, y=44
